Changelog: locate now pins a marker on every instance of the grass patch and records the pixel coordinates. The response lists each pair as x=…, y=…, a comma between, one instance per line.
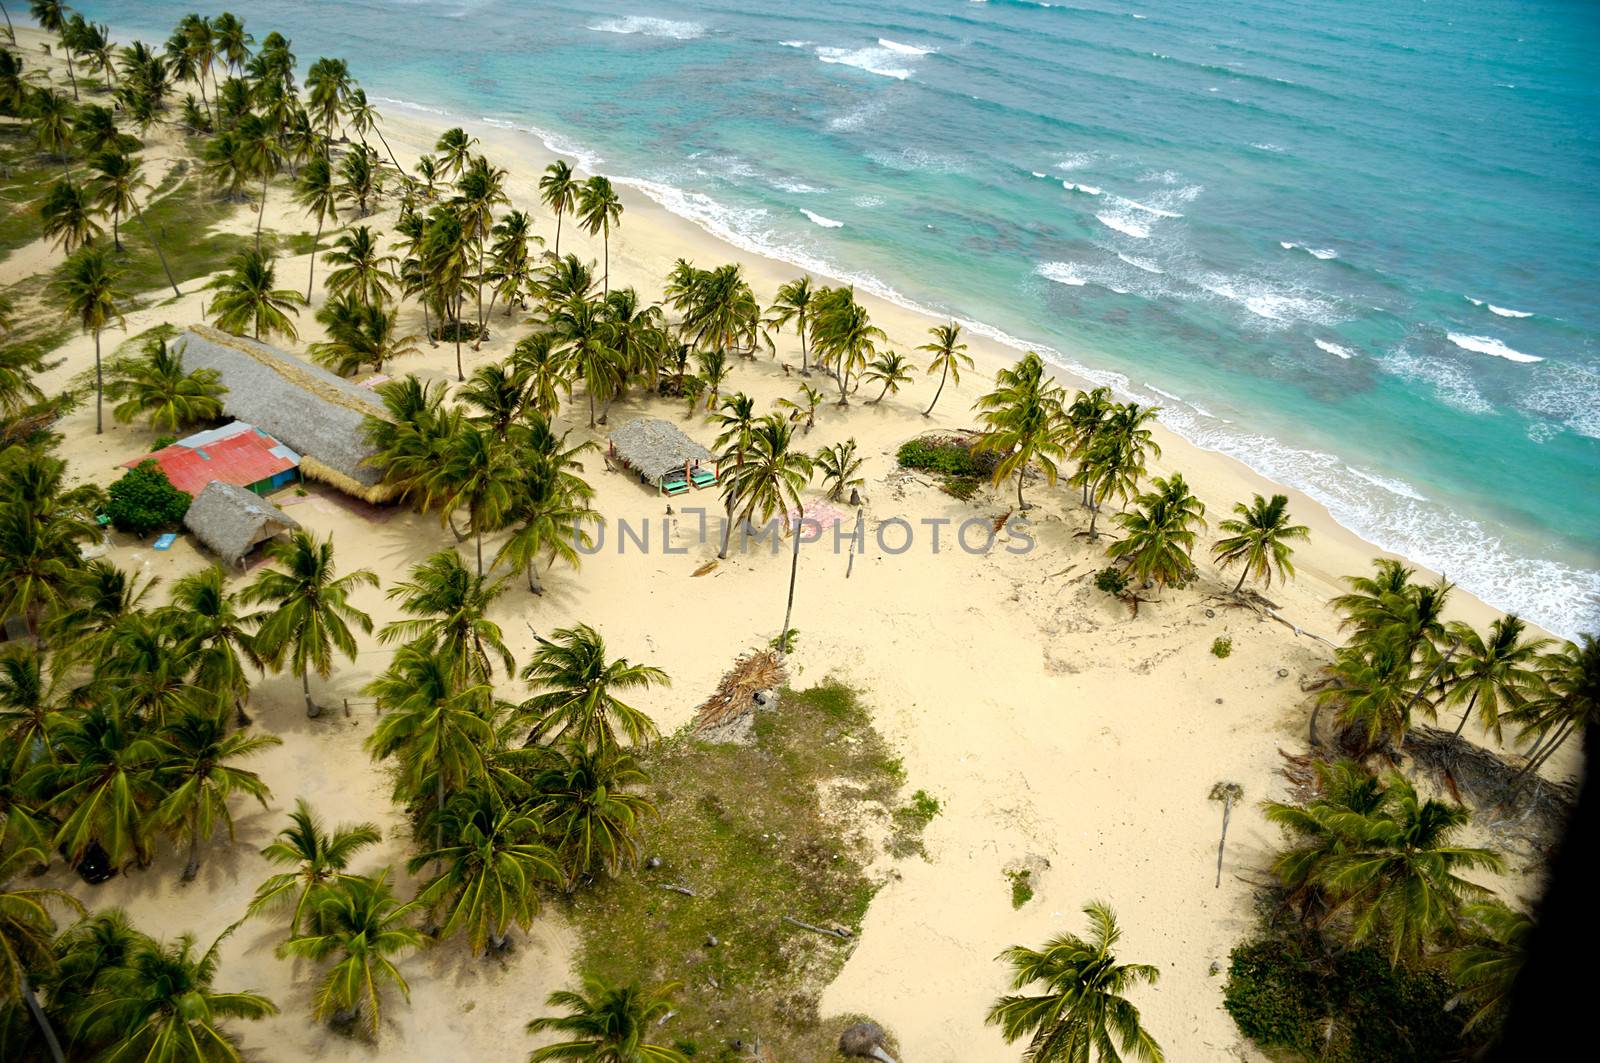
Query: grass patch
x=1221, y=646
x=1021, y=887
x=949, y=458
x=747, y=829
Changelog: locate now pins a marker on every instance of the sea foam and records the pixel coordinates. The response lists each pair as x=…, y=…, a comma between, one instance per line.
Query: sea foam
x=1490, y=346
x=651, y=27
x=1124, y=225
x=826, y=223
x=887, y=59
x=1334, y=348
x=1315, y=252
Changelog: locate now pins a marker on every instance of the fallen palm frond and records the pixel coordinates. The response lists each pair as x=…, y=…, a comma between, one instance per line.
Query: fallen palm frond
x=736, y=693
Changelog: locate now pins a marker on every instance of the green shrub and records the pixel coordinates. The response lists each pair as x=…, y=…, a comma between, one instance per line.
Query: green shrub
x=145, y=501
x=162, y=442
x=1021, y=887
x=1222, y=645
x=1113, y=581
x=1347, y=1007
x=945, y=455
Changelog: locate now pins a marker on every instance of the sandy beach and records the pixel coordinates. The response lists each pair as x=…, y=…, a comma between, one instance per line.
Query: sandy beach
x=1053, y=727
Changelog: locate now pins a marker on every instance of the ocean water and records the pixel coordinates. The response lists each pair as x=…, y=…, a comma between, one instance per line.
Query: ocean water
x=1353, y=244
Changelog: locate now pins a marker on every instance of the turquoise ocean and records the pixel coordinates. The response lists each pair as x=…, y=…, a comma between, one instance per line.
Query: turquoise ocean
x=1351, y=243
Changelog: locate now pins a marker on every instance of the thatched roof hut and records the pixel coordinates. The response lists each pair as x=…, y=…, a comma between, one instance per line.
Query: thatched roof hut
x=653, y=448
x=317, y=414
x=231, y=520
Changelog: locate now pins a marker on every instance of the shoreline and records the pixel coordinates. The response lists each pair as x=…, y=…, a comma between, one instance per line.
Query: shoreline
x=648, y=226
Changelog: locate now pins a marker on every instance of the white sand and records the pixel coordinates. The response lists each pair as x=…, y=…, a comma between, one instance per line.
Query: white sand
x=1044, y=718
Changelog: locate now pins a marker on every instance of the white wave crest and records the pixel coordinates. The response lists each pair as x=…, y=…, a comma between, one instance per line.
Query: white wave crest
x=1274, y=148
x=826, y=223
x=1060, y=272
x=1503, y=312
x=1036, y=173
x=1088, y=190
x=1490, y=346
x=1124, y=225
x=1334, y=348
x=881, y=60
x=1399, y=487
x=1315, y=252
x=1139, y=263
x=651, y=27
x=1146, y=208
x=794, y=44
x=1076, y=161
x=1270, y=301
x=904, y=49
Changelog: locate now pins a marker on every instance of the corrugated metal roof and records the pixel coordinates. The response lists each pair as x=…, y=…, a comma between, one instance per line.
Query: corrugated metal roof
x=237, y=453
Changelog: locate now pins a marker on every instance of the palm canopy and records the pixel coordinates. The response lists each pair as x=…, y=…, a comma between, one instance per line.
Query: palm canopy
x=447, y=608
x=1083, y=1012
x=558, y=190
x=767, y=480
x=1258, y=540
x=794, y=302
x=155, y=385
x=439, y=729
x=198, y=774
x=1023, y=421
x=578, y=690
x=591, y=809
x=248, y=299
x=949, y=357
x=607, y=1024
x=1494, y=674
x=318, y=856
x=1161, y=533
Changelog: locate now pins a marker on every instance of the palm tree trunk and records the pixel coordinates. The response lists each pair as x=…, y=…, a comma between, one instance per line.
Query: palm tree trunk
x=193, y=866
x=262, y=213
x=460, y=375
x=727, y=531
x=71, y=73
x=1242, y=574
x=39, y=1017
x=1020, y=503
x=480, y=551
x=558, y=233
x=1470, y=703
x=606, y=293
x=312, y=711
x=1227, y=811
x=116, y=227
x=805, y=349
x=201, y=81
x=99, y=387
x=794, y=569
x=936, y=394
x=312, y=272
x=534, y=586
x=438, y=824
x=162, y=255
x=477, y=341
x=12, y=33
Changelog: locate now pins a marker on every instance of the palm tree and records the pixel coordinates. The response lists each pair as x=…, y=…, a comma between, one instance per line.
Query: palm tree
x=1259, y=539
x=949, y=358
x=156, y=385
x=68, y=213
x=1160, y=536
x=327, y=88
x=359, y=334
x=584, y=339
x=1368, y=606
x=591, y=809
x=27, y=932
x=542, y=364
x=410, y=443
x=311, y=613
x=1372, y=688
x=50, y=123
x=577, y=692
x=316, y=193
x=232, y=42
x=550, y=512
x=803, y=406
x=30, y=709
x=206, y=618
x=843, y=335
x=117, y=185
x=90, y=953
x=358, y=178
x=442, y=256
x=767, y=480
x=491, y=865
x=599, y=209
x=103, y=788
x=318, y=857
x=891, y=369
x=88, y=289
x=1024, y=422
x=362, y=270
x=838, y=465
x=246, y=298
x=196, y=771
x=1486, y=969
x=510, y=268
x=51, y=15
x=1084, y=1009
x=359, y=924
x=558, y=190
x=794, y=302
x=498, y=391
x=479, y=190
x=607, y=1024
x=261, y=154
x=1567, y=700
x=42, y=532
x=737, y=420
x=449, y=608
x=455, y=151
x=479, y=473
x=1493, y=671
x=1114, y=460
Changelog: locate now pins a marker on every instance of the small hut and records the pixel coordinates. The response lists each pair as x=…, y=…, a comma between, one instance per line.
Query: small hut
x=231, y=520
x=656, y=450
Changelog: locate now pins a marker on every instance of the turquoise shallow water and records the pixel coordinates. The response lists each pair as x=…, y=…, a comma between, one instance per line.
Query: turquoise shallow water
x=1351, y=243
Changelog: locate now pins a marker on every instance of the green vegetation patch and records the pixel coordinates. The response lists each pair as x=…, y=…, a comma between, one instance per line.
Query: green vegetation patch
x=144, y=501
x=951, y=459
x=24, y=175
x=1221, y=646
x=759, y=833
x=1021, y=887
x=1340, y=1007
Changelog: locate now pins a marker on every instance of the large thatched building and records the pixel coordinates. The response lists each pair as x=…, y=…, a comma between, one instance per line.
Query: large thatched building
x=230, y=520
x=315, y=413
x=657, y=450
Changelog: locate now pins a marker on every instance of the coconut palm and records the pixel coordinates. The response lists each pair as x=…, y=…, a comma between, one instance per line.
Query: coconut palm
x=794, y=303
x=261, y=154
x=550, y=515
x=51, y=15
x=232, y=41
x=577, y=692
x=737, y=419
x=50, y=116
x=147, y=671
x=1258, y=540
x=1084, y=1009
x=156, y=386
x=102, y=789
x=428, y=169
x=498, y=392
x=479, y=474
x=1567, y=701
x=714, y=371
x=27, y=932
x=68, y=211
x=843, y=336
x=1366, y=607
x=510, y=269
x=1159, y=543
x=1486, y=969
x=359, y=924
x=196, y=772
x=891, y=369
x=491, y=866
x=584, y=337
x=442, y=272
x=410, y=443
x=479, y=189
x=227, y=165
x=606, y=1023
x=360, y=333
x=541, y=362
x=1494, y=672
x=1372, y=689
x=316, y=193
x=247, y=299
x=117, y=184
x=89, y=955
x=804, y=405
x=558, y=190
x=1114, y=461
x=42, y=532
x=30, y=709
x=327, y=89
x=719, y=308
x=949, y=358
x=89, y=291
x=214, y=633
x=638, y=334
x=591, y=809
x=599, y=211
x=448, y=608
x=310, y=614
x=1023, y=422
x=318, y=856
x=839, y=465
x=94, y=130
x=564, y=278
x=455, y=151
x=768, y=479
x=358, y=178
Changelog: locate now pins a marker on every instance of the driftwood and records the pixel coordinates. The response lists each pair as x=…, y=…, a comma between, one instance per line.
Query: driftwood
x=675, y=888
x=843, y=935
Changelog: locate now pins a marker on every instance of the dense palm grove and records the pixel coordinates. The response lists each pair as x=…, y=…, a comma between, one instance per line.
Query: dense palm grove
x=124, y=714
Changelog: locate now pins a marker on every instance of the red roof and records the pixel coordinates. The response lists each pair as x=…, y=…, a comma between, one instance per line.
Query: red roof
x=237, y=453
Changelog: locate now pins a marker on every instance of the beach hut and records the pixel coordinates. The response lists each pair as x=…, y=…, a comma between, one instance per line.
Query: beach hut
x=319, y=416
x=661, y=454
x=230, y=520
x=240, y=454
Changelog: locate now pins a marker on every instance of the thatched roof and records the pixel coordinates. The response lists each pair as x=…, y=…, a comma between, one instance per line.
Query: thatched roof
x=654, y=447
x=317, y=414
x=230, y=520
